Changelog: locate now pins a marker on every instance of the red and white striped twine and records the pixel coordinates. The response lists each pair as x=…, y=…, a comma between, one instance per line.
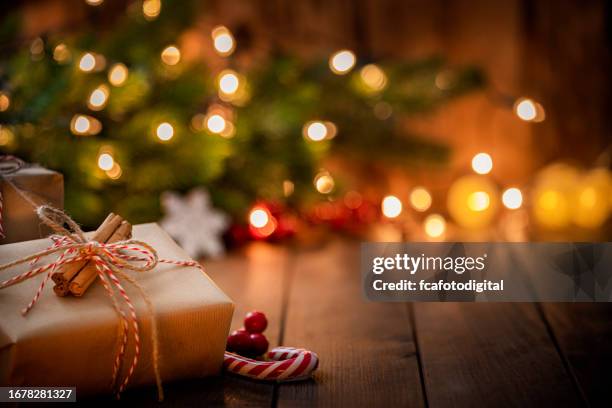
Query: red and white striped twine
x=110, y=260
x=283, y=364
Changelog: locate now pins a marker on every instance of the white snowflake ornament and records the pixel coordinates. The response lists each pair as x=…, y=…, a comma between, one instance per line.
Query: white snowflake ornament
x=194, y=223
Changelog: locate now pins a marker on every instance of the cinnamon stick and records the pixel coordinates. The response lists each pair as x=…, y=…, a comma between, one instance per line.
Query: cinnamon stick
x=89, y=273
x=68, y=271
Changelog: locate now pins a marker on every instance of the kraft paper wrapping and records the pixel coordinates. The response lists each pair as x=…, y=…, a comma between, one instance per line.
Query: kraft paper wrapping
x=72, y=341
x=18, y=217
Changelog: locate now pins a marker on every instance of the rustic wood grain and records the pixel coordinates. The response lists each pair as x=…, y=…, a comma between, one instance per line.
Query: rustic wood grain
x=583, y=332
x=367, y=353
x=493, y=354
x=253, y=279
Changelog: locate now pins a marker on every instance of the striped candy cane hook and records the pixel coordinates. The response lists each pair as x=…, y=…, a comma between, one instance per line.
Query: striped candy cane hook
x=283, y=364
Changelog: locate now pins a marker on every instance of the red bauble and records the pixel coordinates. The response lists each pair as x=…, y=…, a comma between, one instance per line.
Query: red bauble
x=259, y=344
x=239, y=342
x=255, y=322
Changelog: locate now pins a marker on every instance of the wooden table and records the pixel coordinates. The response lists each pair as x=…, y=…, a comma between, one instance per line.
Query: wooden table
x=398, y=354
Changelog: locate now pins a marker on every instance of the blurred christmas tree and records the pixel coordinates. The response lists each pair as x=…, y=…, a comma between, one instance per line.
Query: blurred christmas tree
x=125, y=116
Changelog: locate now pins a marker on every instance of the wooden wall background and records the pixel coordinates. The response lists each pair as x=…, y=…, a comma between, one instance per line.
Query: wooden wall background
x=557, y=52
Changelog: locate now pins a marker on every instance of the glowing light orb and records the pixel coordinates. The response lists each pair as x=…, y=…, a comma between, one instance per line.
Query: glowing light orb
x=118, y=74
x=171, y=55
x=164, y=131
x=342, y=62
x=482, y=163
x=512, y=198
x=434, y=225
x=391, y=206
x=420, y=199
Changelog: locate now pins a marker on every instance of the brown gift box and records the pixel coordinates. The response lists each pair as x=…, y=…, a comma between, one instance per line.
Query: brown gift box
x=18, y=217
x=73, y=341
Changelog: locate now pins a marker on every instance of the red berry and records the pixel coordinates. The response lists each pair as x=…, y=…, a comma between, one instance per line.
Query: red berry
x=255, y=322
x=239, y=342
x=259, y=344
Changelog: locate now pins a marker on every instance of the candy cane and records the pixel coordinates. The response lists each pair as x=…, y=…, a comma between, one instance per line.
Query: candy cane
x=283, y=364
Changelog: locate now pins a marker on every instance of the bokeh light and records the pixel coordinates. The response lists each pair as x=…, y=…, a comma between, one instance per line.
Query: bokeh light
x=324, y=182
x=61, y=53
x=373, y=77
x=223, y=41
x=420, y=199
x=5, y=102
x=98, y=98
x=315, y=131
x=215, y=123
x=342, y=62
x=151, y=9
x=228, y=82
x=118, y=74
x=482, y=163
x=164, y=131
x=105, y=161
x=434, y=225
x=259, y=217
x=85, y=125
x=391, y=206
x=171, y=55
x=529, y=110
x=512, y=198
x=87, y=63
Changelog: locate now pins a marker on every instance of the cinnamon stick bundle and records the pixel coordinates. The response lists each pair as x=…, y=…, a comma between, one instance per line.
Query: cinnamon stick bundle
x=68, y=271
x=89, y=273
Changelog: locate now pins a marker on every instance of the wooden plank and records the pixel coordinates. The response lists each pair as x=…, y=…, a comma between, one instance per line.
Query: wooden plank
x=254, y=280
x=583, y=332
x=494, y=354
x=367, y=353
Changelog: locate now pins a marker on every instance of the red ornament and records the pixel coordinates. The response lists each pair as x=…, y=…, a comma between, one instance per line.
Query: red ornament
x=259, y=344
x=255, y=322
x=239, y=341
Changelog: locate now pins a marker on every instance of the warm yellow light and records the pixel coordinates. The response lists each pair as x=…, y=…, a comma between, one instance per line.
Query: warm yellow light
x=5, y=102
x=171, y=55
x=115, y=172
x=259, y=217
x=94, y=2
x=420, y=199
x=342, y=62
x=6, y=136
x=151, y=9
x=434, y=225
x=373, y=77
x=229, y=131
x=482, y=163
x=105, y=161
x=118, y=74
x=592, y=204
x=87, y=63
x=215, y=123
x=512, y=198
x=61, y=53
x=324, y=183
x=315, y=131
x=529, y=110
x=391, y=206
x=165, y=131
x=478, y=201
x=98, y=98
x=85, y=125
x=228, y=82
x=288, y=188
x=223, y=41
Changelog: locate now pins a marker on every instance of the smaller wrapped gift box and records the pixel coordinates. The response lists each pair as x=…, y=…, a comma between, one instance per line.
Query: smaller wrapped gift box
x=69, y=341
x=19, y=220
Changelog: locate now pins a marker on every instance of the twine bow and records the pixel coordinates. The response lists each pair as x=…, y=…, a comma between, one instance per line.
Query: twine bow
x=8, y=164
x=111, y=261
